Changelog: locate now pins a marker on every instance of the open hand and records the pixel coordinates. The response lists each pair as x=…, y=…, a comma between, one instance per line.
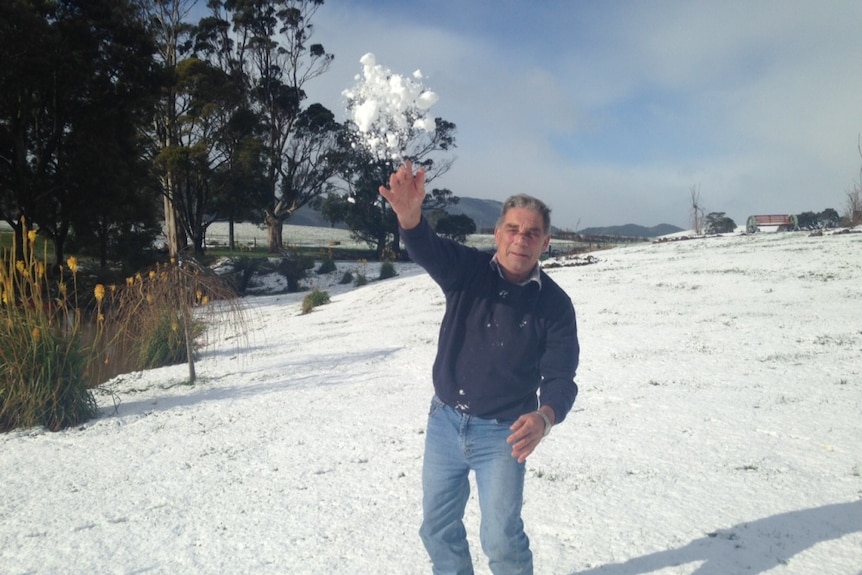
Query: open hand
x=405, y=194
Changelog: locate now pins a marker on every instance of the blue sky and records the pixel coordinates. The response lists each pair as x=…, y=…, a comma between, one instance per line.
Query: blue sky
x=612, y=111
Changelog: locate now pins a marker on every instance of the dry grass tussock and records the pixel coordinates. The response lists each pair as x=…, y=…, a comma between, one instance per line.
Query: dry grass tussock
x=57, y=343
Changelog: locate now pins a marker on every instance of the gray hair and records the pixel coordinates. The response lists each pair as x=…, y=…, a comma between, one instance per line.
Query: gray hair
x=528, y=203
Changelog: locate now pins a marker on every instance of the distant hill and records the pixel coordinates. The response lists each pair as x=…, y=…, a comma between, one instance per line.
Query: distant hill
x=486, y=212
x=305, y=216
x=632, y=231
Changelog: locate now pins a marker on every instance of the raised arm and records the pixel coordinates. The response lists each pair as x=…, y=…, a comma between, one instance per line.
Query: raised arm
x=405, y=194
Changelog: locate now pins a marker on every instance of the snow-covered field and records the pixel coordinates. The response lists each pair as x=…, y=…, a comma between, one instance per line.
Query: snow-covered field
x=717, y=432
x=252, y=235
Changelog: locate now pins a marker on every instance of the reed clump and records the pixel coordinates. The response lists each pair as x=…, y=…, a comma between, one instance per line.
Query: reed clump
x=58, y=342
x=43, y=355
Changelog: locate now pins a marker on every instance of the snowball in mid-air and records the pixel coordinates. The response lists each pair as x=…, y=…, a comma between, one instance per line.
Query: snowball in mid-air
x=426, y=124
x=368, y=60
x=426, y=99
x=365, y=115
x=389, y=109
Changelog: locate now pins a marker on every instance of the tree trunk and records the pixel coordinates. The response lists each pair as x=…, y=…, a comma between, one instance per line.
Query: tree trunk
x=198, y=246
x=186, y=311
x=19, y=239
x=171, y=218
x=396, y=243
x=274, y=233
x=59, y=249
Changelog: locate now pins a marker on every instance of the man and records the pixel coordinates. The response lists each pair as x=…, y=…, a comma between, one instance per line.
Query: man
x=508, y=333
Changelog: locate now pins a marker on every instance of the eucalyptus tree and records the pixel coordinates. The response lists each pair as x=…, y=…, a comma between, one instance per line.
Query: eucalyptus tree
x=240, y=179
x=389, y=122
x=719, y=223
x=206, y=98
x=28, y=137
x=268, y=44
x=171, y=31
x=368, y=217
x=77, y=77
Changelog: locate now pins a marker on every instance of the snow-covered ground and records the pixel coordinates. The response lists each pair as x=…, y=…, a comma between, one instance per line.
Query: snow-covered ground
x=717, y=432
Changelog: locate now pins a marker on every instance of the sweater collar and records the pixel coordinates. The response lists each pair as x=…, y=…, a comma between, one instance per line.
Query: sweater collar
x=535, y=275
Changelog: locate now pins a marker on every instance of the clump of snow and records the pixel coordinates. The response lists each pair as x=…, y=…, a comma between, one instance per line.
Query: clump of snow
x=717, y=431
x=388, y=108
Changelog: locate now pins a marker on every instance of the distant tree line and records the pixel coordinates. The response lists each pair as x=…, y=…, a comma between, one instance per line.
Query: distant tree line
x=720, y=223
x=828, y=218
x=121, y=118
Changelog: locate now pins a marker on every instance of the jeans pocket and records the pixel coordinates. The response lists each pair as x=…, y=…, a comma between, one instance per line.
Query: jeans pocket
x=436, y=404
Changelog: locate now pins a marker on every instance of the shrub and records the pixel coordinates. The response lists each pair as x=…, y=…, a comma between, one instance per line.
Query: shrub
x=43, y=359
x=156, y=318
x=456, y=227
x=294, y=269
x=243, y=269
x=327, y=265
x=361, y=278
x=312, y=300
x=387, y=270
x=162, y=342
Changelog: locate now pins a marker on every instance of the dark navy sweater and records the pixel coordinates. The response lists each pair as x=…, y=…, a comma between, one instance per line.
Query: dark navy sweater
x=500, y=343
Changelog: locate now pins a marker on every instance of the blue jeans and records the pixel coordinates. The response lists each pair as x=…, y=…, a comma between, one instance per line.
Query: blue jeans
x=455, y=443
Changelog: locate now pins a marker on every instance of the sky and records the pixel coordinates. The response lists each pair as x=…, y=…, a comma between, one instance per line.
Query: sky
x=716, y=431
x=615, y=112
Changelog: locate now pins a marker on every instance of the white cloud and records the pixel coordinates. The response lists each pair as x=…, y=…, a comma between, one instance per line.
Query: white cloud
x=615, y=111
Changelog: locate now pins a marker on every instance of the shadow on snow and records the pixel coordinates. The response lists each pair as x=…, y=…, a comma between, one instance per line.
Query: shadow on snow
x=750, y=547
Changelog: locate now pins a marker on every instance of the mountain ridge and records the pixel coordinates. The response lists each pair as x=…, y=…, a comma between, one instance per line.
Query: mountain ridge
x=631, y=231
x=486, y=212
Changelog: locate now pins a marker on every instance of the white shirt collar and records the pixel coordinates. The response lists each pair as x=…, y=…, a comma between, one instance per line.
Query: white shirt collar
x=535, y=275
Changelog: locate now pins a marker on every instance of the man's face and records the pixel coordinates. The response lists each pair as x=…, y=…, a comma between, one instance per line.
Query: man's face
x=521, y=239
